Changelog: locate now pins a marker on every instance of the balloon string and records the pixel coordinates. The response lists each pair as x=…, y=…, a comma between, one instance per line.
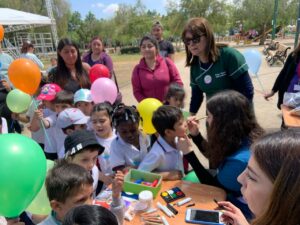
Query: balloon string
x=43, y=126
x=260, y=84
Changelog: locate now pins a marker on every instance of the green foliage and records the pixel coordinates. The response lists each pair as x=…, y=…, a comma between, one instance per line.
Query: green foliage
x=131, y=22
x=130, y=50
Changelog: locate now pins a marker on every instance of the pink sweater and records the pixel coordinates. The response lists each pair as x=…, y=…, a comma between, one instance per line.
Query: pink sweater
x=147, y=83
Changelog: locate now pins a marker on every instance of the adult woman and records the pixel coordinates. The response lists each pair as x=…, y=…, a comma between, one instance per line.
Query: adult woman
x=71, y=74
x=232, y=127
x=288, y=78
x=27, y=52
x=97, y=54
x=213, y=67
x=153, y=75
x=270, y=184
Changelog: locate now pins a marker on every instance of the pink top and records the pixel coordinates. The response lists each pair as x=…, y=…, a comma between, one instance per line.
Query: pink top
x=147, y=83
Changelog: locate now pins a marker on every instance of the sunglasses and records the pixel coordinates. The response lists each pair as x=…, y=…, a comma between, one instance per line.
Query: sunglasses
x=195, y=40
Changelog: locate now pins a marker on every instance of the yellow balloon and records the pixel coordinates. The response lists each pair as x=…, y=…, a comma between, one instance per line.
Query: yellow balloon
x=40, y=204
x=146, y=109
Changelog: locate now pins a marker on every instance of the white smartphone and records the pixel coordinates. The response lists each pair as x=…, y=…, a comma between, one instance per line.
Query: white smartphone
x=209, y=217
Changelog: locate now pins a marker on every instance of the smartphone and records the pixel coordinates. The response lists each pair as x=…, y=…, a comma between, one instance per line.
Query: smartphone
x=209, y=217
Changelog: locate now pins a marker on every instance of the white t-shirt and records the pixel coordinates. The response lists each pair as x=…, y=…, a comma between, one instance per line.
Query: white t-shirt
x=4, y=129
x=57, y=136
x=104, y=158
x=162, y=158
x=50, y=144
x=122, y=153
x=95, y=175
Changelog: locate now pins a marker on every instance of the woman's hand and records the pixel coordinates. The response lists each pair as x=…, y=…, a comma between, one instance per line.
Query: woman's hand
x=269, y=95
x=184, y=145
x=232, y=214
x=192, y=123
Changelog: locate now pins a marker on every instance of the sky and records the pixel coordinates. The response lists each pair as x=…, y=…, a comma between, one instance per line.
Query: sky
x=106, y=8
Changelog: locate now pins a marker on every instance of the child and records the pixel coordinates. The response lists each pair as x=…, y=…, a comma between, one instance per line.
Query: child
x=83, y=101
x=69, y=120
x=102, y=126
x=82, y=148
x=91, y=215
x=175, y=96
x=69, y=185
x=63, y=100
x=47, y=108
x=130, y=146
x=164, y=157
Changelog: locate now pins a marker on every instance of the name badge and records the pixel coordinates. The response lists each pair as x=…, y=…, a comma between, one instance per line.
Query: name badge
x=296, y=87
x=207, y=79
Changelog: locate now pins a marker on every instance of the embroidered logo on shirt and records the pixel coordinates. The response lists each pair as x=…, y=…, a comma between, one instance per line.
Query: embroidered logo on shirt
x=207, y=79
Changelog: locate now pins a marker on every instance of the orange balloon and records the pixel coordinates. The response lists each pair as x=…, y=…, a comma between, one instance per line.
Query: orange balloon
x=25, y=75
x=1, y=32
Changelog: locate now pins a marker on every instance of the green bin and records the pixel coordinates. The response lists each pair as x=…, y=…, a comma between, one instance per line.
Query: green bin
x=134, y=174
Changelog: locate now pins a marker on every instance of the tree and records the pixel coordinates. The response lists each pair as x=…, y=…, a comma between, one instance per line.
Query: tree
x=258, y=14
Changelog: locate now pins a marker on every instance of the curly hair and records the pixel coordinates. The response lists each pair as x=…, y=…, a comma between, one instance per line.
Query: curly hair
x=233, y=124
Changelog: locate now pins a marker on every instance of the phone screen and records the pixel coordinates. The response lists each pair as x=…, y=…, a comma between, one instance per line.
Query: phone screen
x=206, y=216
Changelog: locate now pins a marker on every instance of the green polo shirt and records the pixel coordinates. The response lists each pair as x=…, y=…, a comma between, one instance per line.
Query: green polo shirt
x=219, y=75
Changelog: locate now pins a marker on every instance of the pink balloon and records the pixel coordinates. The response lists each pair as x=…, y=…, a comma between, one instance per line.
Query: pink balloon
x=104, y=89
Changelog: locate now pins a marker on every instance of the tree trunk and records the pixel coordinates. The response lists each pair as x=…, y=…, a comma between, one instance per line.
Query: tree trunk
x=263, y=35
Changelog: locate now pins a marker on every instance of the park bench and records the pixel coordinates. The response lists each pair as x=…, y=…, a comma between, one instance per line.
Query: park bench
x=272, y=45
x=279, y=54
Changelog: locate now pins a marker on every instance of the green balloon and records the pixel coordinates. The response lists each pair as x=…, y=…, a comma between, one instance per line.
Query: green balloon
x=22, y=173
x=40, y=204
x=191, y=176
x=18, y=101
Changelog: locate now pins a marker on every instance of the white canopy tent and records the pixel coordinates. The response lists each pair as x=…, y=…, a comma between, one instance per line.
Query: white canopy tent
x=15, y=17
x=17, y=21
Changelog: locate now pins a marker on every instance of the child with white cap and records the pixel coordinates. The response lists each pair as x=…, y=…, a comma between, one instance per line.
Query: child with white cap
x=70, y=120
x=83, y=101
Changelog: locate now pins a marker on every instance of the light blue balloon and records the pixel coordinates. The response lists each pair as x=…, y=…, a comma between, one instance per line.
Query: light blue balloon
x=253, y=59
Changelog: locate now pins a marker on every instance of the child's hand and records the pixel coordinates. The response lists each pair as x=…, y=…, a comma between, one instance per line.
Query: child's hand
x=184, y=145
x=232, y=214
x=6, y=85
x=117, y=184
x=38, y=113
x=192, y=123
x=172, y=175
x=106, y=179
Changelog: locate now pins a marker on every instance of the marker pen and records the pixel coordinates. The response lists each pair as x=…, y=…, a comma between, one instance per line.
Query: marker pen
x=164, y=209
x=182, y=202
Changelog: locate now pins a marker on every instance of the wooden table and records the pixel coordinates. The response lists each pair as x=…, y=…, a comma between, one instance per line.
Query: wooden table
x=201, y=194
x=289, y=119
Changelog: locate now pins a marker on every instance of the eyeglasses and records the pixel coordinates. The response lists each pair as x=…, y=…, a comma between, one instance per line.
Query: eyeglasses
x=195, y=40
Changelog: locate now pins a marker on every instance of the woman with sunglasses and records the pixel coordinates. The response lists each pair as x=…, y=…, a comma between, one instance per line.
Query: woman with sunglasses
x=213, y=67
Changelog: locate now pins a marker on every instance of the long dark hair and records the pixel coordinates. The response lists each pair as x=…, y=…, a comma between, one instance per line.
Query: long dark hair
x=63, y=74
x=278, y=156
x=233, y=124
